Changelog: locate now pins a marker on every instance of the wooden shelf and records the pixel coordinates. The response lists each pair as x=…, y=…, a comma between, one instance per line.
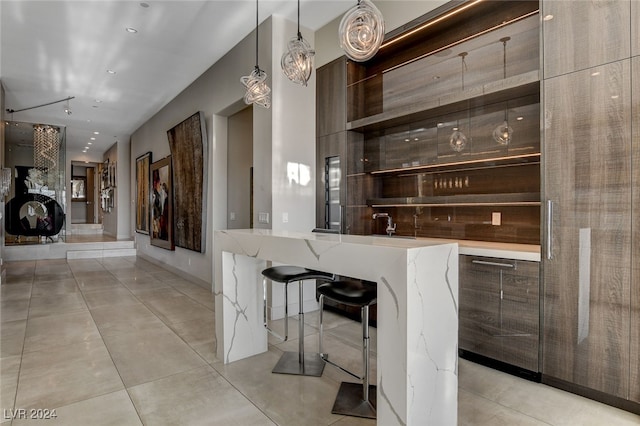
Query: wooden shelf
x=475, y=164
x=490, y=93
x=467, y=200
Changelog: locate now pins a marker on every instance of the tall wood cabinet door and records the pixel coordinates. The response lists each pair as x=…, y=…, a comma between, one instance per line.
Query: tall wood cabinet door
x=331, y=97
x=587, y=176
x=584, y=34
x=635, y=28
x=635, y=256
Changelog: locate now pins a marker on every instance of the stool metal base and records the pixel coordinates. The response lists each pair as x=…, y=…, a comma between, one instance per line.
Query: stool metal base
x=289, y=364
x=349, y=401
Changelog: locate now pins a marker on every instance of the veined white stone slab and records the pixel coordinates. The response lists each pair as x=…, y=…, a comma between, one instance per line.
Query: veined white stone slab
x=417, y=351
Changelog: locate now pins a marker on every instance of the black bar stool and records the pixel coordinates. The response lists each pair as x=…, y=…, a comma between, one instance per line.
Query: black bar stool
x=291, y=362
x=353, y=399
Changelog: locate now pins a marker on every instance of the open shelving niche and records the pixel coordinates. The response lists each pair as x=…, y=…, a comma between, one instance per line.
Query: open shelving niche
x=400, y=135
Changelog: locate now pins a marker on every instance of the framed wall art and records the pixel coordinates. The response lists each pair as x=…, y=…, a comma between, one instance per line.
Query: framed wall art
x=161, y=205
x=143, y=202
x=188, y=144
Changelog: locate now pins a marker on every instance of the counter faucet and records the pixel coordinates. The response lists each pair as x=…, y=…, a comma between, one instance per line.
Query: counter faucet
x=391, y=227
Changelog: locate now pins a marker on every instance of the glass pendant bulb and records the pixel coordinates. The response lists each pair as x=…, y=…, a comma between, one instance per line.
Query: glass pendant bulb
x=361, y=31
x=457, y=140
x=502, y=133
x=258, y=91
x=297, y=61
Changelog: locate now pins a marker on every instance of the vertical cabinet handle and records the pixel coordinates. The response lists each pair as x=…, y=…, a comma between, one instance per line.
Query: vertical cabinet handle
x=549, y=229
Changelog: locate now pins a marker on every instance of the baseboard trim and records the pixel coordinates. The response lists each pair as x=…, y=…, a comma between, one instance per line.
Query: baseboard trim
x=605, y=398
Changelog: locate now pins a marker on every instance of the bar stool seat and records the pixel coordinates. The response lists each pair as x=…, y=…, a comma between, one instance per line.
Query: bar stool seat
x=353, y=399
x=297, y=363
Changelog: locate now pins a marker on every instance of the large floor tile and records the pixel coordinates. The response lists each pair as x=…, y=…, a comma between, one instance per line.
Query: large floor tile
x=195, y=397
x=199, y=294
x=15, y=292
x=18, y=279
x=14, y=310
x=12, y=337
x=50, y=288
x=44, y=333
x=115, y=296
x=113, y=320
x=286, y=399
x=9, y=370
x=142, y=283
x=154, y=355
x=98, y=283
x=66, y=374
x=173, y=310
x=112, y=409
x=56, y=304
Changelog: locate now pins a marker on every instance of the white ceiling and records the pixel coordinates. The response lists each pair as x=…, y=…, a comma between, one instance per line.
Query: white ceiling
x=51, y=50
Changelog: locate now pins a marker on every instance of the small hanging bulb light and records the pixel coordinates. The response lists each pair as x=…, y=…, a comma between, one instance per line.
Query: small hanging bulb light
x=457, y=140
x=297, y=61
x=258, y=92
x=361, y=31
x=503, y=132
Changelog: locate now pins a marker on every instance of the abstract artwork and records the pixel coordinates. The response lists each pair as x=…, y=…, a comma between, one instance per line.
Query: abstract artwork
x=161, y=205
x=188, y=144
x=143, y=179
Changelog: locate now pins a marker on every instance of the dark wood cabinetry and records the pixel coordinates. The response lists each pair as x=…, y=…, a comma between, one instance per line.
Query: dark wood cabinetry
x=634, y=381
x=590, y=173
x=500, y=310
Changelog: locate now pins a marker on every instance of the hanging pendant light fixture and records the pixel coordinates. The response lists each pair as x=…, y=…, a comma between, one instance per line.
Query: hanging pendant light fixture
x=258, y=92
x=458, y=140
x=361, y=31
x=503, y=132
x=297, y=61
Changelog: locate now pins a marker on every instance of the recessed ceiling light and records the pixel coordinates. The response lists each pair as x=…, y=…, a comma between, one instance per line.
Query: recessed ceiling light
x=131, y=30
x=593, y=74
x=548, y=18
x=86, y=147
x=614, y=97
x=520, y=118
x=98, y=101
x=145, y=5
x=92, y=138
x=111, y=72
x=96, y=133
x=89, y=143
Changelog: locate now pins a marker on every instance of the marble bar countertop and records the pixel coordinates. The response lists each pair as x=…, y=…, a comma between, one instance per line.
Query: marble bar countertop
x=530, y=252
x=417, y=328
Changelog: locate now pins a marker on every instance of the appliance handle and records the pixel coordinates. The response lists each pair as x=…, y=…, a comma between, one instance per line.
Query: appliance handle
x=484, y=262
x=549, y=229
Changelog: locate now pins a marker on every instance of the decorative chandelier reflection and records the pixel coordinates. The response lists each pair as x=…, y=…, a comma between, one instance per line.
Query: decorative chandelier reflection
x=258, y=92
x=297, y=61
x=46, y=151
x=361, y=31
x=503, y=132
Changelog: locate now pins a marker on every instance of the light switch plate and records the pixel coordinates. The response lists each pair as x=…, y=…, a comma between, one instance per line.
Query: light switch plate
x=496, y=218
x=263, y=217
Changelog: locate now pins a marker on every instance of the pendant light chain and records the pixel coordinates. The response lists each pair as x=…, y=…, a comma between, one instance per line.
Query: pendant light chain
x=257, y=66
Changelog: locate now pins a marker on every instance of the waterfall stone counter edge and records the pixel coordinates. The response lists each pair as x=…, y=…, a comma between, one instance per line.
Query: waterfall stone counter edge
x=417, y=364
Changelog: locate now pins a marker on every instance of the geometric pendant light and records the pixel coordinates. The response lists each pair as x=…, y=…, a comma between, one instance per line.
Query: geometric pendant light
x=258, y=92
x=361, y=31
x=297, y=61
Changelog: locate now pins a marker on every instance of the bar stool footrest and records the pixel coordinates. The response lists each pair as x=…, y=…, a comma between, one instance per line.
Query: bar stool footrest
x=289, y=363
x=349, y=401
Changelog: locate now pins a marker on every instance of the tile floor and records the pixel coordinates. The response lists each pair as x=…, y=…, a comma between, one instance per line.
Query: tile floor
x=120, y=341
